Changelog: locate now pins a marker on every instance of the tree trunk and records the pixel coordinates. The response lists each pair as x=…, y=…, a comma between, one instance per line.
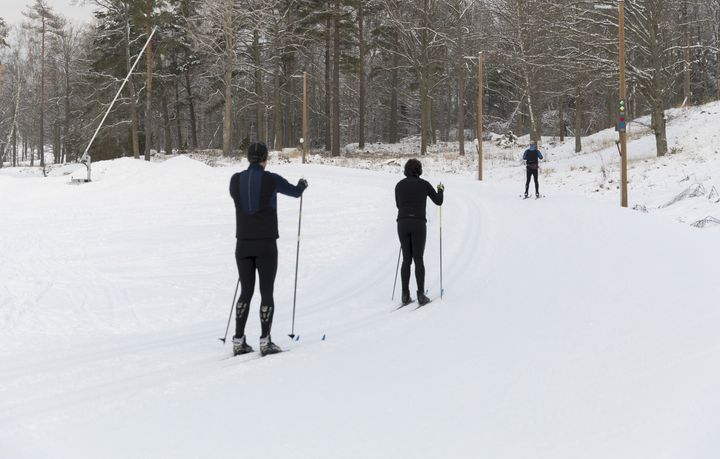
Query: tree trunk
x=433, y=121
x=521, y=120
x=561, y=110
x=227, y=116
x=277, y=114
x=66, y=119
x=56, y=140
x=460, y=77
x=447, y=108
x=328, y=78
x=394, y=77
x=259, y=99
x=425, y=111
x=135, y=123
x=191, y=105
x=42, y=95
x=525, y=68
x=578, y=123
x=149, y=79
x=659, y=128
x=14, y=146
x=717, y=58
x=687, y=90
x=361, y=71
x=167, y=134
x=336, y=82
x=13, y=124
x=423, y=114
x=178, y=123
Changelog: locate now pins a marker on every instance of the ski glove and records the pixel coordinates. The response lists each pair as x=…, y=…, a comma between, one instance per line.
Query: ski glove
x=441, y=188
x=302, y=184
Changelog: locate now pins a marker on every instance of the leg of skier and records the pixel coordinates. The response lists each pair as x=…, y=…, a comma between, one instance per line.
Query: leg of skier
x=406, y=247
x=246, y=272
x=267, y=270
x=528, y=174
x=537, y=185
x=419, y=236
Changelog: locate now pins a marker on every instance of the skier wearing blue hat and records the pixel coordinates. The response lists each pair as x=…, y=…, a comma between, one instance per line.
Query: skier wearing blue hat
x=532, y=157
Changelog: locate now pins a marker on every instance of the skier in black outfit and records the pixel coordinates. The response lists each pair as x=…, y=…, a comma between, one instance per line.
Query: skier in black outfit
x=411, y=195
x=532, y=157
x=255, y=194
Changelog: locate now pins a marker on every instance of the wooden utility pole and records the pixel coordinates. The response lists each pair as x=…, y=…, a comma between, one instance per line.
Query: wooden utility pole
x=305, y=119
x=149, y=79
x=361, y=72
x=623, y=108
x=42, y=91
x=480, y=115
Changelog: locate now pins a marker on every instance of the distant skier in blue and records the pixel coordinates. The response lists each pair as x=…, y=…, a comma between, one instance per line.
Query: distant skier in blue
x=532, y=157
x=255, y=194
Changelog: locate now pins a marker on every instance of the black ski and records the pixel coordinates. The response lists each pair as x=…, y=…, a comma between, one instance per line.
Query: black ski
x=423, y=305
x=254, y=355
x=403, y=305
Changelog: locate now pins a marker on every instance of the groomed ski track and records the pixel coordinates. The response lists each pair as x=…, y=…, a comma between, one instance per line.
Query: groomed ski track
x=569, y=328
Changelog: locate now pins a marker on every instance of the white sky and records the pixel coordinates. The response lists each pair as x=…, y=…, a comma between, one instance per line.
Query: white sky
x=11, y=10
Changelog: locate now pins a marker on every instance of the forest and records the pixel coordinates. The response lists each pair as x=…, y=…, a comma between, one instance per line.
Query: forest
x=219, y=74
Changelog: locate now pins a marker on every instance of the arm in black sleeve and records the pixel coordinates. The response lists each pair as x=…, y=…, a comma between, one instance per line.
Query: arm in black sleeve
x=397, y=198
x=436, y=197
x=284, y=187
x=234, y=186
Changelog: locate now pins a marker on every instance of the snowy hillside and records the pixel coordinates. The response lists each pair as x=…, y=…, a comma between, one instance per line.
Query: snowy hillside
x=683, y=186
x=570, y=328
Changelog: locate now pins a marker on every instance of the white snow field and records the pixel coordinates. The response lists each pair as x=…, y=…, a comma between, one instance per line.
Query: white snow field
x=683, y=186
x=570, y=328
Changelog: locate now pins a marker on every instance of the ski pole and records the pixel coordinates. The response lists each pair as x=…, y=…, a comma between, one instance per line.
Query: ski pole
x=232, y=306
x=297, y=260
x=441, y=266
x=396, y=273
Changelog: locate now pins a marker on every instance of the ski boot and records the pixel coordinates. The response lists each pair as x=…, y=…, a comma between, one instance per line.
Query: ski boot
x=240, y=346
x=406, y=298
x=267, y=347
x=422, y=299
x=537, y=195
x=526, y=195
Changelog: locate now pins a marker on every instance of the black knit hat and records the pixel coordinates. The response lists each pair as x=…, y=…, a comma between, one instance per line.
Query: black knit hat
x=257, y=152
x=413, y=168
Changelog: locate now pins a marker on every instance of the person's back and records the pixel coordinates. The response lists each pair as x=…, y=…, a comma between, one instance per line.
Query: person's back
x=532, y=157
x=411, y=195
x=255, y=194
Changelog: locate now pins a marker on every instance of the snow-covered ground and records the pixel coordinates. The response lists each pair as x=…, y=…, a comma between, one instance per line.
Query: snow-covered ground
x=570, y=328
x=683, y=186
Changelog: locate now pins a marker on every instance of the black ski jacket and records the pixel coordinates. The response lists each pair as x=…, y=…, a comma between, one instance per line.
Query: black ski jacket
x=532, y=157
x=255, y=194
x=411, y=195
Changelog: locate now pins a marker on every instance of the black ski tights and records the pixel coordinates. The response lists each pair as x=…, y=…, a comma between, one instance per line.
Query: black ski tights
x=412, y=233
x=260, y=256
x=532, y=172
